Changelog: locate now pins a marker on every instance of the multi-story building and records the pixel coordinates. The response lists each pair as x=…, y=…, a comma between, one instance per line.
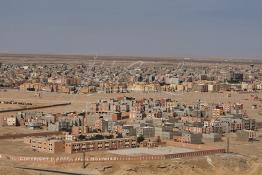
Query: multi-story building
x=100, y=145
x=249, y=124
x=45, y=144
x=146, y=131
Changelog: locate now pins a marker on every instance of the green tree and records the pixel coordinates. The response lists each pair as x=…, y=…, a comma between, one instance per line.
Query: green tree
x=81, y=137
x=140, y=139
x=119, y=135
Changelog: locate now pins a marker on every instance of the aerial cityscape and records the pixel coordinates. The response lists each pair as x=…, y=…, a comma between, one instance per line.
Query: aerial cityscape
x=130, y=107
x=87, y=110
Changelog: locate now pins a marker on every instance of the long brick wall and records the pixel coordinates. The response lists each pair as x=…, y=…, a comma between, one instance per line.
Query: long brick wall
x=67, y=159
x=34, y=107
x=15, y=136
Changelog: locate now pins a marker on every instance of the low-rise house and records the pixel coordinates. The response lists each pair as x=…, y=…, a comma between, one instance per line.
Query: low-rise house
x=128, y=130
x=211, y=137
x=163, y=133
x=187, y=137
x=60, y=126
x=34, y=125
x=11, y=121
x=46, y=145
x=146, y=131
x=246, y=135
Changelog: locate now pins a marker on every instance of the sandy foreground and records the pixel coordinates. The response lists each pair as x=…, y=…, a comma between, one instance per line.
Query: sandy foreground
x=244, y=158
x=215, y=164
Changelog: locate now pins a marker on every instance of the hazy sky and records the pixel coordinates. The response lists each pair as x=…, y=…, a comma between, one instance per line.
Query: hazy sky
x=133, y=27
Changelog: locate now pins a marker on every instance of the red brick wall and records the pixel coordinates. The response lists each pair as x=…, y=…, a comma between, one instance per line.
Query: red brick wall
x=11, y=136
x=67, y=159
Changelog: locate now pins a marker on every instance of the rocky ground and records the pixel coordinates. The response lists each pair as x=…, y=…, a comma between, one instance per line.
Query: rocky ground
x=226, y=164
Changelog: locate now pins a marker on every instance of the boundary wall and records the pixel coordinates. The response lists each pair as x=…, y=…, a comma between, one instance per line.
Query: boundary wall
x=67, y=159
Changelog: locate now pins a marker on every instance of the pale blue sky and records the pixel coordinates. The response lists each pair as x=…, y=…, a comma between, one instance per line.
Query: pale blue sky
x=133, y=27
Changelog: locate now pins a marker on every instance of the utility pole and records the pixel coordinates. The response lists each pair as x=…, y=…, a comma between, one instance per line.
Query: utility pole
x=84, y=160
x=227, y=144
x=82, y=132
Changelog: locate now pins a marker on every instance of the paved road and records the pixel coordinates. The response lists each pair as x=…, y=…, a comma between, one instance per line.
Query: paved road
x=50, y=171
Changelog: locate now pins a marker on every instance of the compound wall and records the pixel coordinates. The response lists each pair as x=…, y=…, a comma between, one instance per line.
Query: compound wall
x=59, y=160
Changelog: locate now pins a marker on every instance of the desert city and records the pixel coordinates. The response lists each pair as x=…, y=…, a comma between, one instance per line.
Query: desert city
x=138, y=87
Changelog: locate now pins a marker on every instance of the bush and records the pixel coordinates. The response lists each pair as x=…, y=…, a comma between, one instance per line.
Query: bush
x=119, y=135
x=140, y=139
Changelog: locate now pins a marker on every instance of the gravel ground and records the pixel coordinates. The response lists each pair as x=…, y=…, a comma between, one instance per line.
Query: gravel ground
x=151, y=151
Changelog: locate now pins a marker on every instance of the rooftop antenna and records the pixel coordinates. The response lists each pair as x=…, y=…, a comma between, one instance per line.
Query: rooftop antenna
x=227, y=145
x=82, y=132
x=94, y=61
x=95, y=57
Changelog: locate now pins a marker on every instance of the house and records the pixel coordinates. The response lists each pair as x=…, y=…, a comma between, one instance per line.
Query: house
x=246, y=135
x=187, y=137
x=46, y=145
x=211, y=137
x=11, y=121
x=146, y=131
